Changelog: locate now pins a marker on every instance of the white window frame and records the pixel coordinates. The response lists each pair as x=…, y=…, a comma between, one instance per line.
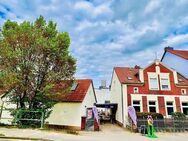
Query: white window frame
x=185, y=92
x=165, y=76
x=162, y=77
x=137, y=104
x=153, y=75
x=152, y=105
x=157, y=88
x=184, y=106
x=135, y=91
x=169, y=106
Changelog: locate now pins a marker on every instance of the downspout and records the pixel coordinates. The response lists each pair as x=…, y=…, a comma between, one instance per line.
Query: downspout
x=122, y=104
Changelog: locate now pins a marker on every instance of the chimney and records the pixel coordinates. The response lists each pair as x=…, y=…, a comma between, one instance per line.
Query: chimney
x=168, y=48
x=103, y=84
x=137, y=67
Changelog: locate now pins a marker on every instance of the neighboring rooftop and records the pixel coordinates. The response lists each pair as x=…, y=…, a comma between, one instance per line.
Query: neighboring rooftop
x=127, y=75
x=180, y=53
x=76, y=95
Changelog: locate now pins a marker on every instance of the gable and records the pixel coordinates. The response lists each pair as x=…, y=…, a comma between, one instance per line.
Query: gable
x=158, y=66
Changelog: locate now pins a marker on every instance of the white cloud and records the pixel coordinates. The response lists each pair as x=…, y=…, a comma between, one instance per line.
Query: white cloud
x=152, y=5
x=91, y=9
x=110, y=33
x=176, y=39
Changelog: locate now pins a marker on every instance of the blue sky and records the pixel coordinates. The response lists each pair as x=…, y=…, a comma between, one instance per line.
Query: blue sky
x=108, y=33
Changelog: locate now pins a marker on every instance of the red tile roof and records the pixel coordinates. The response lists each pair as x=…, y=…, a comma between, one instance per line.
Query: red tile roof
x=78, y=94
x=124, y=73
x=180, y=53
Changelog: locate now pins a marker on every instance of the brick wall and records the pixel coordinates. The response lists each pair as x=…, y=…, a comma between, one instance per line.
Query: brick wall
x=161, y=104
x=178, y=106
x=144, y=103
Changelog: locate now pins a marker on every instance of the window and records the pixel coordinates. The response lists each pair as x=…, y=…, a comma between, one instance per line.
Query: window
x=170, y=108
x=136, y=105
x=183, y=91
x=129, y=78
x=135, y=89
x=74, y=86
x=165, y=84
x=153, y=84
x=152, y=106
x=185, y=107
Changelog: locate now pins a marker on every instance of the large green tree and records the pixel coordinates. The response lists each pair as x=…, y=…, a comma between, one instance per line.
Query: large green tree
x=34, y=56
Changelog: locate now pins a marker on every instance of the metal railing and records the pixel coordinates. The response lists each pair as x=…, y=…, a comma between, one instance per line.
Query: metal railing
x=167, y=124
x=10, y=120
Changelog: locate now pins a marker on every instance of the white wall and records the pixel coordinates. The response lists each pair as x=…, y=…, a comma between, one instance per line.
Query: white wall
x=125, y=105
x=116, y=97
x=67, y=114
x=70, y=113
x=177, y=63
x=6, y=117
x=88, y=101
x=102, y=95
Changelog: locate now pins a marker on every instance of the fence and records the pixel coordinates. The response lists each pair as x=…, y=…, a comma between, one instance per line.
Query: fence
x=7, y=119
x=165, y=124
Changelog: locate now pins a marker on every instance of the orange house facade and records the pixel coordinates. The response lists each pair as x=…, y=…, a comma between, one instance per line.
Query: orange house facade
x=156, y=88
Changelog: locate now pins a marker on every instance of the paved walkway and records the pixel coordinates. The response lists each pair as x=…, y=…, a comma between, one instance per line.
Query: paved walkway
x=108, y=133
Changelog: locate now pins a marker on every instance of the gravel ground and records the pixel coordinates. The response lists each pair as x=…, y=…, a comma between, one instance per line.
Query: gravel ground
x=108, y=133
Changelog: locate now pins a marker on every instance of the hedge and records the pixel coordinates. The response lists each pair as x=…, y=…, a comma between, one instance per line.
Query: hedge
x=144, y=115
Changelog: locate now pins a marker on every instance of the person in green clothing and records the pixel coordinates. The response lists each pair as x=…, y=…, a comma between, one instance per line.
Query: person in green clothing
x=150, y=125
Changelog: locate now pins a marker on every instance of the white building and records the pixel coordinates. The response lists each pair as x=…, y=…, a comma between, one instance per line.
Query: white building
x=102, y=93
x=176, y=59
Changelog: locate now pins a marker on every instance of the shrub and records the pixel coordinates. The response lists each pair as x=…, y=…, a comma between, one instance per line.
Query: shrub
x=144, y=115
x=27, y=118
x=2, y=135
x=178, y=116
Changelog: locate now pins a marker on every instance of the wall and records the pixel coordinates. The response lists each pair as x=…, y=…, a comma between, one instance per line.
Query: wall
x=88, y=101
x=156, y=98
x=6, y=117
x=69, y=113
x=160, y=96
x=163, y=70
x=116, y=96
x=102, y=95
x=177, y=63
x=125, y=105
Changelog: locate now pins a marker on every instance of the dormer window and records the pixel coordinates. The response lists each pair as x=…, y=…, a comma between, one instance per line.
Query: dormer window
x=183, y=91
x=74, y=86
x=129, y=78
x=135, y=90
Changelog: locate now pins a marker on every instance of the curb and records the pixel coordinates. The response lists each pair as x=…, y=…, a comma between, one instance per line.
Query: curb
x=24, y=138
